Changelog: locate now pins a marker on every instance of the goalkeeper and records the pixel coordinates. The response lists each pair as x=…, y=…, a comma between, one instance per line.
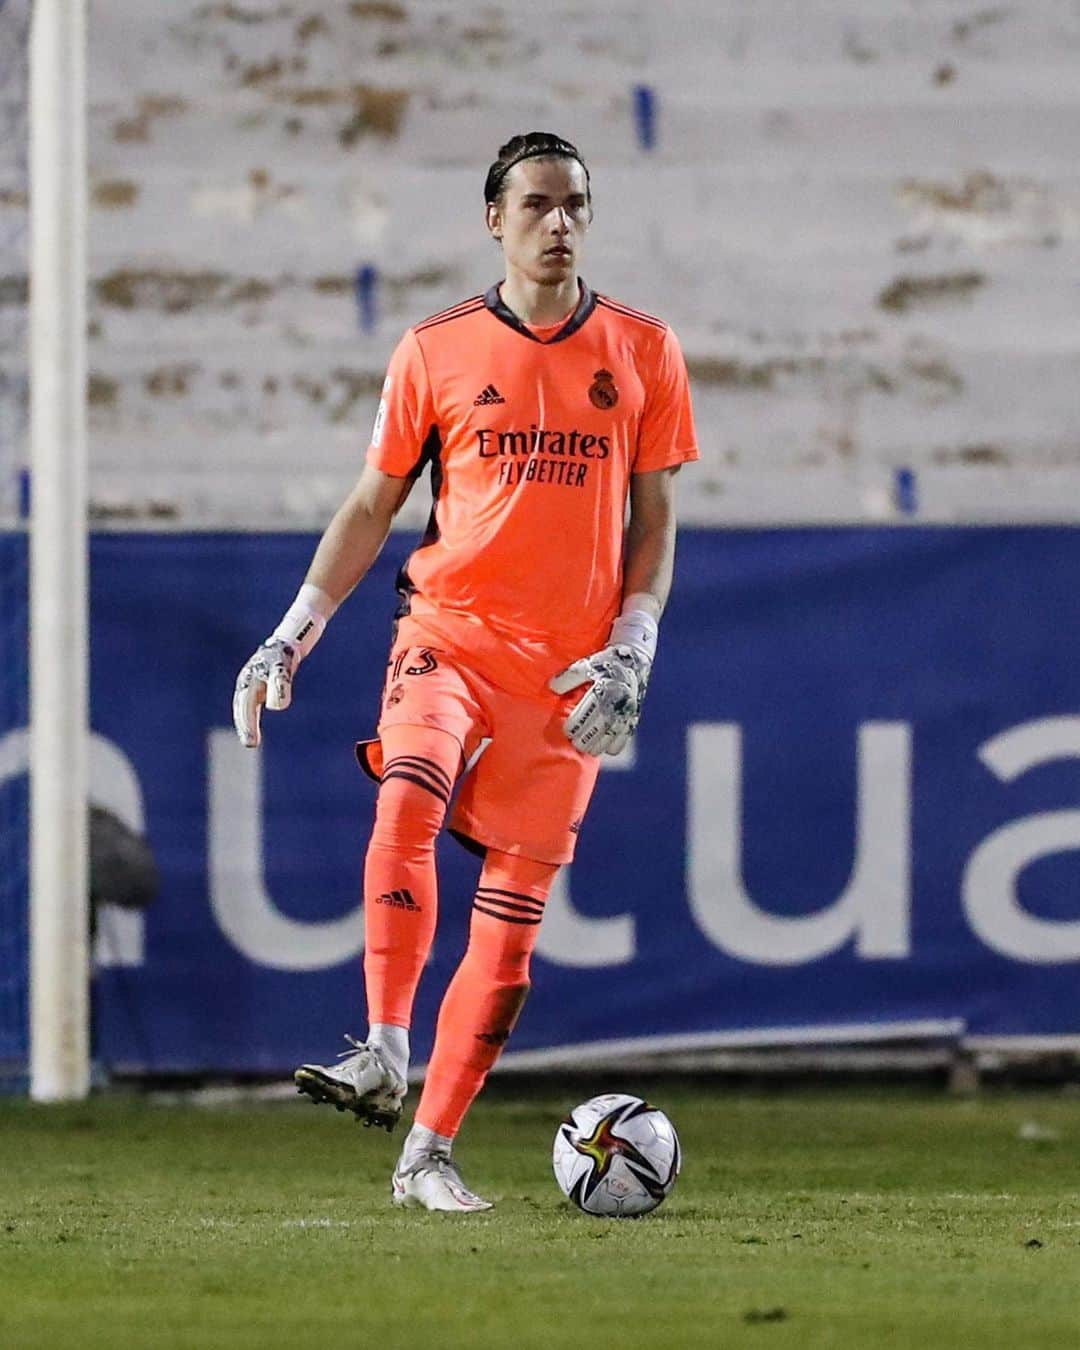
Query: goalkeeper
x=524, y=638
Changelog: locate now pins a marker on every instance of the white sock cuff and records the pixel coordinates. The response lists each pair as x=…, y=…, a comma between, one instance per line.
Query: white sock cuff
x=422, y=1140
x=393, y=1041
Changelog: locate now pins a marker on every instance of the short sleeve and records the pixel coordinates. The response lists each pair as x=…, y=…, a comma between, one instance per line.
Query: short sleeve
x=667, y=436
x=406, y=412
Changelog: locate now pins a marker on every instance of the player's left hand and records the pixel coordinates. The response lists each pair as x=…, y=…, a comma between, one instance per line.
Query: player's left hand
x=604, y=718
x=265, y=679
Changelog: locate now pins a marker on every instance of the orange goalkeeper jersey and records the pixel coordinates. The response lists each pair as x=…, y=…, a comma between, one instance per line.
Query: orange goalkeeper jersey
x=531, y=436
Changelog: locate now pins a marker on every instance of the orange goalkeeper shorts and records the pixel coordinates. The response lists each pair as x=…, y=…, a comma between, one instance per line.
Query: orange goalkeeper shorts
x=525, y=789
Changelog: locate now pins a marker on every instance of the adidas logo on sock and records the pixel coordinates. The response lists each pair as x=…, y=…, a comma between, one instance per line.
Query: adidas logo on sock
x=488, y=396
x=399, y=900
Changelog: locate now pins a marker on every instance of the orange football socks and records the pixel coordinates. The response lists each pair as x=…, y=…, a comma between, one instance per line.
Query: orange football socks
x=488, y=989
x=401, y=897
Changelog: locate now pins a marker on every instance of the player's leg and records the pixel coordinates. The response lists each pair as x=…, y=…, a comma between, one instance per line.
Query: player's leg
x=400, y=912
x=401, y=894
x=478, y=1013
x=429, y=717
x=524, y=804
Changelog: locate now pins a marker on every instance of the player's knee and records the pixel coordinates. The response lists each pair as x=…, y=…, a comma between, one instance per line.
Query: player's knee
x=408, y=814
x=513, y=971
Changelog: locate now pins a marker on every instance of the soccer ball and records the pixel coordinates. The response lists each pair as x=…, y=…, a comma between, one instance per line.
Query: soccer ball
x=616, y=1156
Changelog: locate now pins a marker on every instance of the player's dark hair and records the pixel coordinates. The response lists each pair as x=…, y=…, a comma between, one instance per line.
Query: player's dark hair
x=532, y=145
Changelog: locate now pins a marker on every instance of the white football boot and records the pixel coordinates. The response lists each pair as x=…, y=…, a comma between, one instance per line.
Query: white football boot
x=431, y=1181
x=363, y=1083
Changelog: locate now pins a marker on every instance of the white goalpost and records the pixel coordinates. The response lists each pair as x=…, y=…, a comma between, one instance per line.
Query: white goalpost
x=59, y=880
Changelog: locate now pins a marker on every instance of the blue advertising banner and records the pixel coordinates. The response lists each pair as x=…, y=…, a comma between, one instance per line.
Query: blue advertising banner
x=852, y=806
x=14, y=805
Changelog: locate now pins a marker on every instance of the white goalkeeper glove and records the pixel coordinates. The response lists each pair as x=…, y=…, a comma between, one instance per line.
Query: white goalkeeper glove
x=605, y=718
x=267, y=676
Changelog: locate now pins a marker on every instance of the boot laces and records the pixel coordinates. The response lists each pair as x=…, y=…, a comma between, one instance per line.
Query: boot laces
x=358, y=1048
x=434, y=1160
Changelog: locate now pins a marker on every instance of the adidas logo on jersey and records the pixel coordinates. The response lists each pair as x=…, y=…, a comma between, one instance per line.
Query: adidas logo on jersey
x=488, y=396
x=398, y=900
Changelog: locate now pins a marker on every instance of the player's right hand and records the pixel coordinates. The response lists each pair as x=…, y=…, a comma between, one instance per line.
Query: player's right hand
x=266, y=678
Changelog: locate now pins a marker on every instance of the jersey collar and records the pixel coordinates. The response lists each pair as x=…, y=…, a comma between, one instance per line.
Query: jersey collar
x=586, y=304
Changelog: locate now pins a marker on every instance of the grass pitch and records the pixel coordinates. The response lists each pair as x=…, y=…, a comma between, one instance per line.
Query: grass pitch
x=838, y=1218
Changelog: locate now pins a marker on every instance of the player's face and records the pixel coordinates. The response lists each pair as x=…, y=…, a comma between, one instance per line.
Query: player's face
x=543, y=218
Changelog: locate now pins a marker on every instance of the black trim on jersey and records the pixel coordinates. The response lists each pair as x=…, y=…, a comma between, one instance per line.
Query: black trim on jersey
x=430, y=453
x=361, y=751
x=450, y=309
x=470, y=845
x=628, y=313
x=457, y=312
x=586, y=304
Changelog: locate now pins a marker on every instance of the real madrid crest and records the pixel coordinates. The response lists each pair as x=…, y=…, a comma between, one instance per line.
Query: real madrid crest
x=602, y=391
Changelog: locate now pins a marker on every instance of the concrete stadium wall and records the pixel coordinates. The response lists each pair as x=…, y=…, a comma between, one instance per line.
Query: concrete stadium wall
x=862, y=220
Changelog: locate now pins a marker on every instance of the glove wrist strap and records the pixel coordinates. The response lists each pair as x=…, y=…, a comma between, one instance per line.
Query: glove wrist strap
x=636, y=627
x=304, y=622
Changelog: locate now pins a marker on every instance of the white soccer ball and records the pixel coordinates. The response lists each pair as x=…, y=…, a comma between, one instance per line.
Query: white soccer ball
x=616, y=1156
